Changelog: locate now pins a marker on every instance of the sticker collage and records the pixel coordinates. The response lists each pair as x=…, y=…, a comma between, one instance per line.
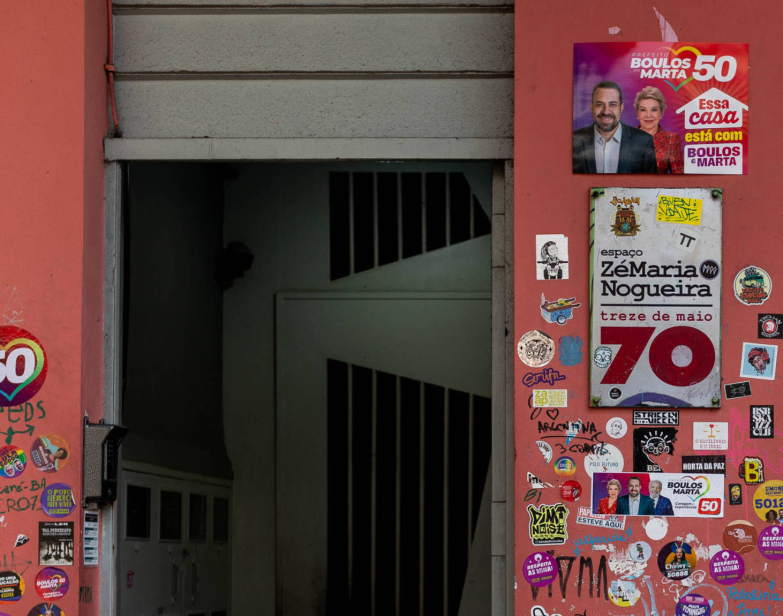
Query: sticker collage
x=659, y=492
x=30, y=465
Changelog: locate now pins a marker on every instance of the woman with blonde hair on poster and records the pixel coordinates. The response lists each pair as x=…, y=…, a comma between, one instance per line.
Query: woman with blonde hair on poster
x=650, y=105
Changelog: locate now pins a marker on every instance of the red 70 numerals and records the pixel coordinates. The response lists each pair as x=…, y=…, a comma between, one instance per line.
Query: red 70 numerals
x=633, y=341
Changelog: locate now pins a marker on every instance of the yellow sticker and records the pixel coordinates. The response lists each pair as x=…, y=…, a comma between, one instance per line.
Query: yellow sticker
x=680, y=210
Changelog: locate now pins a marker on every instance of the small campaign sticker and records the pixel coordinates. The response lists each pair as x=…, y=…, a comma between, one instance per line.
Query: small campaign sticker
x=677, y=560
x=692, y=605
x=571, y=490
x=51, y=583
x=13, y=461
x=727, y=567
x=770, y=326
x=740, y=536
x=49, y=453
x=11, y=586
x=737, y=390
x=771, y=543
x=639, y=551
x=57, y=500
x=540, y=569
x=46, y=609
x=565, y=466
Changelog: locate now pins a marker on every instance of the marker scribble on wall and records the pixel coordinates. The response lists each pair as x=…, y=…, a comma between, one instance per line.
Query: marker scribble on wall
x=571, y=350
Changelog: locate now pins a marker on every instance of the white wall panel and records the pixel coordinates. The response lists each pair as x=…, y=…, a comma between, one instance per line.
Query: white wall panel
x=315, y=43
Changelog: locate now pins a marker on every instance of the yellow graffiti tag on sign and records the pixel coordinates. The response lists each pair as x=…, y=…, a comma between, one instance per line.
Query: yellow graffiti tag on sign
x=679, y=210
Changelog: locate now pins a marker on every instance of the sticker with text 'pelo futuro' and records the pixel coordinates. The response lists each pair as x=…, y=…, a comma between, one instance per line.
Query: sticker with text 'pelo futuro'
x=23, y=365
x=655, y=304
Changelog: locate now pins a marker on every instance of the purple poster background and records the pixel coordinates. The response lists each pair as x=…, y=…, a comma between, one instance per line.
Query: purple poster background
x=725, y=67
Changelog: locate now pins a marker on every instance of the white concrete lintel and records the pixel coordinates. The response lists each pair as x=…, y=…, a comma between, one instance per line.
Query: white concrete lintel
x=308, y=149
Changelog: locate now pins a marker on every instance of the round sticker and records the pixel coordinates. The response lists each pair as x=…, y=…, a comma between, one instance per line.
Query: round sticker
x=546, y=450
x=676, y=560
x=692, y=605
x=656, y=528
x=709, y=269
x=540, y=569
x=23, y=369
x=752, y=286
x=12, y=461
x=771, y=543
x=565, y=466
x=623, y=594
x=571, y=490
x=46, y=609
x=57, y=500
x=49, y=453
x=616, y=427
x=604, y=458
x=11, y=586
x=51, y=583
x=768, y=501
x=639, y=551
x=602, y=356
x=740, y=536
x=536, y=349
x=727, y=567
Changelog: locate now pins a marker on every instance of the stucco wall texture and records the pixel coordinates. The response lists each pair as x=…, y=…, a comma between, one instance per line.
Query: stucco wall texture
x=53, y=97
x=550, y=199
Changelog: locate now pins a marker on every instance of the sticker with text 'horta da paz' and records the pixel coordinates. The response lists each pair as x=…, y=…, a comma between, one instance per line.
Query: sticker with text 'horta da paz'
x=57, y=500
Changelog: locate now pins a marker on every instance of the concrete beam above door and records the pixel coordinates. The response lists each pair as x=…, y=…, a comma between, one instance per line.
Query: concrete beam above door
x=308, y=149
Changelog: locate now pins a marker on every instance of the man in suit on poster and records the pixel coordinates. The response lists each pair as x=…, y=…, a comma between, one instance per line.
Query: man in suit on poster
x=608, y=145
x=663, y=506
x=635, y=503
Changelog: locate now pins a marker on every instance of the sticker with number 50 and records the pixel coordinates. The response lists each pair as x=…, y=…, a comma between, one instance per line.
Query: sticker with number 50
x=23, y=365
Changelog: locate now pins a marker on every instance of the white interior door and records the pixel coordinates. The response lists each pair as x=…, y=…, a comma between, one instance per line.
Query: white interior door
x=175, y=556
x=435, y=345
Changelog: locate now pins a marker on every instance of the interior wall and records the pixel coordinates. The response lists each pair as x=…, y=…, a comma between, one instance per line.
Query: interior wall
x=281, y=212
x=172, y=399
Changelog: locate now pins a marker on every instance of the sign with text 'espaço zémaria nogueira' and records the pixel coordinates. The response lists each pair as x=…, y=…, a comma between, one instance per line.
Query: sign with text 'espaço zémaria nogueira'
x=655, y=297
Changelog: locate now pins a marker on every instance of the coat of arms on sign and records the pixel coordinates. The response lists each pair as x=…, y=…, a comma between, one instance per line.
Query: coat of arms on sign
x=626, y=220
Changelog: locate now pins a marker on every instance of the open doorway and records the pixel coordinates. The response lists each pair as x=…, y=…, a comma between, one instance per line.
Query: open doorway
x=310, y=431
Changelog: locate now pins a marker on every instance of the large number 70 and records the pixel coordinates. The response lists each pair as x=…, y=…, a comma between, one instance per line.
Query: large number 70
x=633, y=341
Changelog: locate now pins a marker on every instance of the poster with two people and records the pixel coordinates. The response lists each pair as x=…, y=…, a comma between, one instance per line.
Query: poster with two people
x=660, y=108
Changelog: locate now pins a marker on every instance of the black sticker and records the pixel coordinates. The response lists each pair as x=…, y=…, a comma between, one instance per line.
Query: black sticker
x=770, y=326
x=651, y=447
x=704, y=464
x=735, y=494
x=656, y=418
x=762, y=421
x=737, y=390
x=55, y=543
x=709, y=269
x=615, y=393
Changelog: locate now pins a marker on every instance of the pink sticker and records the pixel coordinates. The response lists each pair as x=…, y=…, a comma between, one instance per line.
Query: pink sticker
x=540, y=569
x=771, y=543
x=727, y=567
x=51, y=583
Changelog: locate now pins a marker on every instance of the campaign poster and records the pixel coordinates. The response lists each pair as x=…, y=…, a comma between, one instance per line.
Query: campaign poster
x=655, y=300
x=658, y=494
x=674, y=108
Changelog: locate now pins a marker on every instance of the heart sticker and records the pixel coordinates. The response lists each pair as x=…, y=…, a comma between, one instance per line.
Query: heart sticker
x=23, y=365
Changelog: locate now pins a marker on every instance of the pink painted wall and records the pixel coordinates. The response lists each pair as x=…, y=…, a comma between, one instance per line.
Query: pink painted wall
x=53, y=102
x=550, y=199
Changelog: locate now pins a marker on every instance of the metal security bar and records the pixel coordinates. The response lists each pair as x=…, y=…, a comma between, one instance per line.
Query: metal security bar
x=380, y=218
x=407, y=464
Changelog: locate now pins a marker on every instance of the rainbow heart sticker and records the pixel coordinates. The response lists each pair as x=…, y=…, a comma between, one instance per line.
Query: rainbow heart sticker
x=23, y=365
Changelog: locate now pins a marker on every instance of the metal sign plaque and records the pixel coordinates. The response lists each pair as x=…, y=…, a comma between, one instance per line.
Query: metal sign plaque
x=655, y=297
